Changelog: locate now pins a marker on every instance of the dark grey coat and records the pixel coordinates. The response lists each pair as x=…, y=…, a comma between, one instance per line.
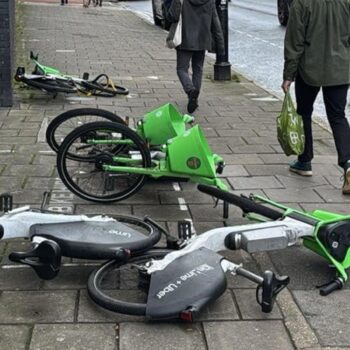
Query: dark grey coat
x=200, y=25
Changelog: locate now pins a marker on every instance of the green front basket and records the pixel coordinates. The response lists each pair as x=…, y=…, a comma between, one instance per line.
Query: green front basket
x=190, y=154
x=162, y=124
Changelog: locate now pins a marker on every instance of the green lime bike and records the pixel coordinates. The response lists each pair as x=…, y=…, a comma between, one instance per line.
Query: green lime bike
x=51, y=80
x=108, y=161
x=325, y=233
x=155, y=127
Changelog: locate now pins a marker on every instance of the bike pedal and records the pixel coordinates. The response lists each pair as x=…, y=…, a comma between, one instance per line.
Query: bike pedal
x=6, y=202
x=86, y=76
x=184, y=230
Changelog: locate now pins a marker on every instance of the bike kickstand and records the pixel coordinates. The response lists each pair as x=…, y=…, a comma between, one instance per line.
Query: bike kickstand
x=225, y=210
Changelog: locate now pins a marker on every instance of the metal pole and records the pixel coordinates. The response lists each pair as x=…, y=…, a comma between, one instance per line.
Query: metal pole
x=222, y=67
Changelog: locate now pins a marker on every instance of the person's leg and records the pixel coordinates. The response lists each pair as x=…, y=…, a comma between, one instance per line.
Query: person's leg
x=183, y=58
x=335, y=102
x=305, y=98
x=197, y=68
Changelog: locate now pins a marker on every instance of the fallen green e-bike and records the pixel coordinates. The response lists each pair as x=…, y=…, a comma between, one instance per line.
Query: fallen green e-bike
x=51, y=80
x=324, y=232
x=106, y=162
x=155, y=127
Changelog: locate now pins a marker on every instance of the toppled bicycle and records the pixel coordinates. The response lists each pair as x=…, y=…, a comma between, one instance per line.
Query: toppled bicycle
x=174, y=283
x=108, y=161
x=51, y=80
x=325, y=233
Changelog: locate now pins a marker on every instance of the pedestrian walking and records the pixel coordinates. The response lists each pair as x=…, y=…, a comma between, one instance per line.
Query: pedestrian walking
x=64, y=2
x=201, y=31
x=317, y=55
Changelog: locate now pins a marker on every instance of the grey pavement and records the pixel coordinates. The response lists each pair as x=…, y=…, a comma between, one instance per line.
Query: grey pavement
x=241, y=127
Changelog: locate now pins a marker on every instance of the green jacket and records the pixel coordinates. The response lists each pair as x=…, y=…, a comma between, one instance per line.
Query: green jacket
x=317, y=42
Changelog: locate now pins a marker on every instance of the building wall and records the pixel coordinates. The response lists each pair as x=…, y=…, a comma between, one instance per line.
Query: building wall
x=7, y=51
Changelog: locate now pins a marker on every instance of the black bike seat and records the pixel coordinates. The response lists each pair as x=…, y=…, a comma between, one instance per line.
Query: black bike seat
x=186, y=285
x=91, y=239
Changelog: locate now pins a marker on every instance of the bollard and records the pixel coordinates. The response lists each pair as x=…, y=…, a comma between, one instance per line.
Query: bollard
x=222, y=67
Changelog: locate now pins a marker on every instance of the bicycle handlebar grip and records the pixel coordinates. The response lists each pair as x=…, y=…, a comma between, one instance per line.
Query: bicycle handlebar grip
x=247, y=205
x=331, y=287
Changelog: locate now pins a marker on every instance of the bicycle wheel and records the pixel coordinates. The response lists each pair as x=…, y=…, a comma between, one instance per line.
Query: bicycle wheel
x=95, y=145
x=98, y=87
x=49, y=85
x=67, y=121
x=113, y=281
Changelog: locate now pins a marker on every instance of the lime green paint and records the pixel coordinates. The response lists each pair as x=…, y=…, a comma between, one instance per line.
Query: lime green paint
x=162, y=124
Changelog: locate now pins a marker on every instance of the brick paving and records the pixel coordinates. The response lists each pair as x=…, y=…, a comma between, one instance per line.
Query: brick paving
x=58, y=314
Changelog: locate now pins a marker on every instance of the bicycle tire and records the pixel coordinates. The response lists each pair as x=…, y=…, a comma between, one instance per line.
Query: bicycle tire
x=100, y=296
x=49, y=85
x=100, y=89
x=72, y=119
x=247, y=205
x=84, y=175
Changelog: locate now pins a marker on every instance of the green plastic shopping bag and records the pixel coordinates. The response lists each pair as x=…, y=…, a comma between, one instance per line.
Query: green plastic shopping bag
x=290, y=128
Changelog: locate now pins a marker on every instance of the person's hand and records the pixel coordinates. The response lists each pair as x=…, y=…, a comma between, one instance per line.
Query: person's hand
x=286, y=85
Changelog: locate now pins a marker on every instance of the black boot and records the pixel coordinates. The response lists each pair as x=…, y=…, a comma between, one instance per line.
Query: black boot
x=192, y=100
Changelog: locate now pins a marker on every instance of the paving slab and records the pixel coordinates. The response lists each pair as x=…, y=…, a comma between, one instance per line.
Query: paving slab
x=14, y=337
x=326, y=315
x=37, y=307
x=74, y=336
x=251, y=310
x=243, y=335
x=167, y=336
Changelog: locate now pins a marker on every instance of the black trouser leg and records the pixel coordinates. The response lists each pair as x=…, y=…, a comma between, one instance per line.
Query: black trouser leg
x=306, y=96
x=197, y=68
x=183, y=58
x=335, y=102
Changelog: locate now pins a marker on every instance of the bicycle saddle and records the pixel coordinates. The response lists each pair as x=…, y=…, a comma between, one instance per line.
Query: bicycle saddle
x=186, y=286
x=96, y=240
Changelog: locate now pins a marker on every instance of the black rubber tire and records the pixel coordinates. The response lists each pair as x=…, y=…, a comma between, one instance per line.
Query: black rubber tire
x=99, y=89
x=283, y=12
x=247, y=205
x=49, y=85
x=104, y=300
x=74, y=117
x=65, y=162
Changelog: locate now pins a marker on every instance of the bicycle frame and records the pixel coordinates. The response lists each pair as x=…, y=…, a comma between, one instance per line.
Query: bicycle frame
x=187, y=156
x=253, y=237
x=51, y=72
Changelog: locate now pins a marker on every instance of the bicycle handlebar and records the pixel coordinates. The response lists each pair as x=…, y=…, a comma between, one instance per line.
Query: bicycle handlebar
x=246, y=204
x=250, y=206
